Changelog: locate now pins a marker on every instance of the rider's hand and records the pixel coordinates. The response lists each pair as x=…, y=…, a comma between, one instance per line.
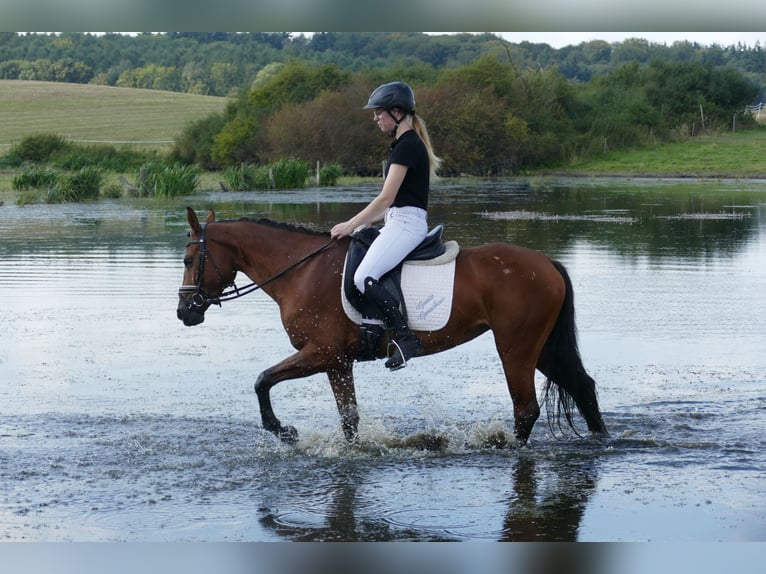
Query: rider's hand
x=341, y=230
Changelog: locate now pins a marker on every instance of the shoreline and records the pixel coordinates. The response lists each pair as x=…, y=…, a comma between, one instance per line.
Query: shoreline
x=656, y=176
x=8, y=195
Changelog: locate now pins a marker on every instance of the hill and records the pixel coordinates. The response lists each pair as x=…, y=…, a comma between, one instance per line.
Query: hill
x=94, y=113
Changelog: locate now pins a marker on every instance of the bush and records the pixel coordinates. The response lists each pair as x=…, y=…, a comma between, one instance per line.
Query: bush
x=246, y=177
x=290, y=173
x=35, y=177
x=38, y=148
x=111, y=191
x=58, y=187
x=160, y=179
x=329, y=174
x=80, y=185
x=104, y=156
x=195, y=143
x=58, y=151
x=283, y=174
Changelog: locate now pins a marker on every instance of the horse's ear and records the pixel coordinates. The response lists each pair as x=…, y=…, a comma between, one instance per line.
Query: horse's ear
x=210, y=216
x=191, y=217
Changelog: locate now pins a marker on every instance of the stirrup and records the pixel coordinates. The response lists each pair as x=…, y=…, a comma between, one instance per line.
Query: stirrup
x=396, y=358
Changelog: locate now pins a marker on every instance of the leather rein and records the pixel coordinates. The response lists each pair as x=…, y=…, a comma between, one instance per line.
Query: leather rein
x=199, y=297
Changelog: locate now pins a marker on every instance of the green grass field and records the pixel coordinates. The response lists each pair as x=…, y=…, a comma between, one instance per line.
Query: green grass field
x=738, y=155
x=147, y=119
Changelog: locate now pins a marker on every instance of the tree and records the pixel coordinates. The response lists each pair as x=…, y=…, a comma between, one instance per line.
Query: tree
x=468, y=128
x=195, y=144
x=328, y=130
x=294, y=83
x=151, y=77
x=678, y=89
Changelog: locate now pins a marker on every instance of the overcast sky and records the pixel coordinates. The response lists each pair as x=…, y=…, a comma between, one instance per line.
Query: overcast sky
x=560, y=39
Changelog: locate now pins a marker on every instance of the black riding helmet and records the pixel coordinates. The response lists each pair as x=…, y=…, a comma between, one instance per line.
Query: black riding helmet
x=390, y=96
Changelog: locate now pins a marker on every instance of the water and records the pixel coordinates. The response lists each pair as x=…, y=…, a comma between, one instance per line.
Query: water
x=117, y=423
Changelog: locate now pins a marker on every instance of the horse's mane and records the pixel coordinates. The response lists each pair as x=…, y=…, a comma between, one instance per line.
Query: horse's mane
x=278, y=225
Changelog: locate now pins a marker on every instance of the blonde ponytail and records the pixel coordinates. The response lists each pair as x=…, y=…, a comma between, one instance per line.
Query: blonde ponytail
x=419, y=125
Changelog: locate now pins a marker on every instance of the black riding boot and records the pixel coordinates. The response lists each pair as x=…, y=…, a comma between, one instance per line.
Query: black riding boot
x=406, y=345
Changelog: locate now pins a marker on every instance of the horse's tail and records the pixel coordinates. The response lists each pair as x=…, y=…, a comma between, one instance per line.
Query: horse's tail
x=561, y=363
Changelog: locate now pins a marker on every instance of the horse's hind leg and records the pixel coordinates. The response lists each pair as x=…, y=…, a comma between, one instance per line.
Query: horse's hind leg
x=520, y=378
x=526, y=409
x=342, y=384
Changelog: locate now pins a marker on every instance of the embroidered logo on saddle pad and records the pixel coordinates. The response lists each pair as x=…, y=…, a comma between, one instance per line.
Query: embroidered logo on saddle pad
x=427, y=287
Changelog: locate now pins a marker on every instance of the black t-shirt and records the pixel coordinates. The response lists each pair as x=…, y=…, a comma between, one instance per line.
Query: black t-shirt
x=410, y=151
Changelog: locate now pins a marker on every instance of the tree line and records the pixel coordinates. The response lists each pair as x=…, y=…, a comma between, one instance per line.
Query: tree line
x=492, y=107
x=485, y=118
x=223, y=63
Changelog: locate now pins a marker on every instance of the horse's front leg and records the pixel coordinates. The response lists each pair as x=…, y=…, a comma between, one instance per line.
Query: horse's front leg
x=293, y=367
x=269, y=420
x=308, y=361
x=342, y=383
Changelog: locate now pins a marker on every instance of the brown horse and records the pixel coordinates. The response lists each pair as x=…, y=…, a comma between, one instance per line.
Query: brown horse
x=524, y=297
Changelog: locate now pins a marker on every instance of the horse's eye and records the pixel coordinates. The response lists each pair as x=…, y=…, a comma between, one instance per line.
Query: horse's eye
x=187, y=262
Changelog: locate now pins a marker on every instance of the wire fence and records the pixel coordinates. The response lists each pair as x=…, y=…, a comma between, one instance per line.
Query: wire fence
x=756, y=110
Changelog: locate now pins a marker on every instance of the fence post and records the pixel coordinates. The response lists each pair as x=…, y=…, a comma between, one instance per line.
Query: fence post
x=317, y=173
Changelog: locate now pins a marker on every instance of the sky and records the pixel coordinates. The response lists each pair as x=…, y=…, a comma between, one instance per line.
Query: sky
x=403, y=15
x=561, y=39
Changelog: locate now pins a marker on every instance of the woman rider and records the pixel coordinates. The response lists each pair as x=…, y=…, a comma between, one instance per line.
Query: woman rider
x=402, y=203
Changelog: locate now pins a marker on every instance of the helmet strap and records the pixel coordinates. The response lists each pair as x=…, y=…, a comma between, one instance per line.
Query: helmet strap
x=392, y=133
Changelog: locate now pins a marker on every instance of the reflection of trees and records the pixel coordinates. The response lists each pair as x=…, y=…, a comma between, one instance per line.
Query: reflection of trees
x=659, y=221
x=656, y=222
x=543, y=505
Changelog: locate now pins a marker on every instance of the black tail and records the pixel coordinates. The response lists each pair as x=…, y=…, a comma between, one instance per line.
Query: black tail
x=561, y=363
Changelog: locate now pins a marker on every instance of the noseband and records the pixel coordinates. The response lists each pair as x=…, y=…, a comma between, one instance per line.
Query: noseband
x=199, y=297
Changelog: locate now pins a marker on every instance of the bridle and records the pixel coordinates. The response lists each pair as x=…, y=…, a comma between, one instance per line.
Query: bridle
x=199, y=297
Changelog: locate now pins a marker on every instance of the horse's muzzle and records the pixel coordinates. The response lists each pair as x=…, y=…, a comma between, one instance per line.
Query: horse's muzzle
x=189, y=314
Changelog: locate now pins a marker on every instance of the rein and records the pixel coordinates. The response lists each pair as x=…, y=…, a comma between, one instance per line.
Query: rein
x=200, y=297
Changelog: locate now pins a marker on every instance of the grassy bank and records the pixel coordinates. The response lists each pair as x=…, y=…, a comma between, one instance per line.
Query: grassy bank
x=147, y=119
x=731, y=155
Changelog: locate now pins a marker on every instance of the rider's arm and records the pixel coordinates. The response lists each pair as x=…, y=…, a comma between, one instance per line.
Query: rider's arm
x=376, y=209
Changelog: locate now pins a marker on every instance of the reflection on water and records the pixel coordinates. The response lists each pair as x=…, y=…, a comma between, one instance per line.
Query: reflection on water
x=118, y=423
x=532, y=504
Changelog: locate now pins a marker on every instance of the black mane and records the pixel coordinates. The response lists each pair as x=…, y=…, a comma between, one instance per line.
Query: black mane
x=279, y=225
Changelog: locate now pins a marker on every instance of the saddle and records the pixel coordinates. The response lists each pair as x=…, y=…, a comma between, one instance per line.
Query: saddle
x=432, y=246
x=371, y=327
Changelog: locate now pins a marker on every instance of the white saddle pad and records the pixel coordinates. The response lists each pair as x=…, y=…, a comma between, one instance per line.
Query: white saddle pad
x=427, y=287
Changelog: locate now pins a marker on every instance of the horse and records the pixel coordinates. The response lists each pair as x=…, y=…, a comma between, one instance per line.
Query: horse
x=524, y=297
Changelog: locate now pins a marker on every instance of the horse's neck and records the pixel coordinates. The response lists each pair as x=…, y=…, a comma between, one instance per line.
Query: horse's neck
x=268, y=250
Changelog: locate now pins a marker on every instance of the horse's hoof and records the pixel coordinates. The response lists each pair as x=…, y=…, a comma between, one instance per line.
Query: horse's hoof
x=288, y=434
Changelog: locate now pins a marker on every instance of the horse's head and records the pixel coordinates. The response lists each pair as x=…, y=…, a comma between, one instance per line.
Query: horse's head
x=208, y=270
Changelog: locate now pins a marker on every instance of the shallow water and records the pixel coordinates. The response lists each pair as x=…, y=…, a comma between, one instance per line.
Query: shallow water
x=117, y=423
